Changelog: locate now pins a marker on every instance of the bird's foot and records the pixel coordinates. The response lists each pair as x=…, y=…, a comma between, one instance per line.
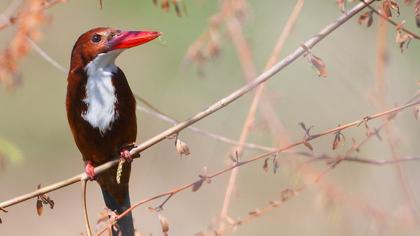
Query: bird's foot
x=90, y=170
x=125, y=152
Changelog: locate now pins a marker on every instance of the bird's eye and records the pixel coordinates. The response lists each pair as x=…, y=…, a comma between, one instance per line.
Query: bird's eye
x=96, y=38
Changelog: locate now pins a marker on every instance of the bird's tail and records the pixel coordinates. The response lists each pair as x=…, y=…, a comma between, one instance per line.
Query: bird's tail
x=125, y=224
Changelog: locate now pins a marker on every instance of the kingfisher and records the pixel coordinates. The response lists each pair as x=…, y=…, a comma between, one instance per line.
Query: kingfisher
x=101, y=111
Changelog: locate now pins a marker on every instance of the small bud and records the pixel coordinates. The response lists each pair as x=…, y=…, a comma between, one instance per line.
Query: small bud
x=181, y=147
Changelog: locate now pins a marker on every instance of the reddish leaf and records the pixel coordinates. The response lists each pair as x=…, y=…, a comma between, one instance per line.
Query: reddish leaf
x=337, y=140
x=265, y=166
x=386, y=8
x=366, y=19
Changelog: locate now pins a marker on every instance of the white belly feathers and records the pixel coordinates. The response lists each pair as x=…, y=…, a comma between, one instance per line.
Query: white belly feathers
x=100, y=92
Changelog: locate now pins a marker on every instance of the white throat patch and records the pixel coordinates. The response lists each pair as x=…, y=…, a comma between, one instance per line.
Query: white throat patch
x=100, y=92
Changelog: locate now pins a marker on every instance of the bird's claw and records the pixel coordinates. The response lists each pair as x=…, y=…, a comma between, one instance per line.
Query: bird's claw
x=125, y=152
x=90, y=170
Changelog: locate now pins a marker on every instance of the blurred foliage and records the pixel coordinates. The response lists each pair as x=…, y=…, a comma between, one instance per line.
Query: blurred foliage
x=10, y=151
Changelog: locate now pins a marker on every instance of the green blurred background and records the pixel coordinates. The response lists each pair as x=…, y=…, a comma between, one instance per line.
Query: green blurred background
x=33, y=118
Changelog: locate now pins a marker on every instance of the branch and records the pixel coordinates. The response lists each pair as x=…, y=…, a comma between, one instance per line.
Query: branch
x=331, y=159
x=256, y=99
x=391, y=21
x=85, y=211
x=209, y=177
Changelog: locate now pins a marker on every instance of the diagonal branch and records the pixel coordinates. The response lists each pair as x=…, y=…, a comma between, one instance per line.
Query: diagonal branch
x=209, y=177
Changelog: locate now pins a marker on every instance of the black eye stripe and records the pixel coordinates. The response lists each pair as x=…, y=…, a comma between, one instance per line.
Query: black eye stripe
x=96, y=38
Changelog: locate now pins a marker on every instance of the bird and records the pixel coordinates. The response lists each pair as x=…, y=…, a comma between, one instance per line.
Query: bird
x=101, y=112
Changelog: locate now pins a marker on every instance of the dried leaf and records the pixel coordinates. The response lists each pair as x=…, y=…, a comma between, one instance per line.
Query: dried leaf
x=163, y=224
x=275, y=164
x=308, y=145
x=256, y=212
x=307, y=136
x=417, y=12
x=181, y=147
x=386, y=8
x=165, y=5
x=274, y=204
x=366, y=19
x=318, y=64
x=265, y=166
x=197, y=185
x=287, y=194
x=416, y=112
x=42, y=200
x=403, y=39
x=337, y=140
x=39, y=206
x=395, y=6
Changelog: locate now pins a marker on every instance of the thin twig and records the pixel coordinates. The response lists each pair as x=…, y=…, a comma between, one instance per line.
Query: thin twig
x=380, y=162
x=85, y=210
x=44, y=55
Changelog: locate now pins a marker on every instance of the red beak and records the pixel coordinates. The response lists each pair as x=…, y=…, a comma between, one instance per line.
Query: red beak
x=128, y=39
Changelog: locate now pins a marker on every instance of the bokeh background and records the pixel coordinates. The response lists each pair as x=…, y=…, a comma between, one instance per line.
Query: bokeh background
x=32, y=117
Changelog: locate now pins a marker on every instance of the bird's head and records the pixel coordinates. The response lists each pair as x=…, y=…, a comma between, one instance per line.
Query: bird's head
x=108, y=43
